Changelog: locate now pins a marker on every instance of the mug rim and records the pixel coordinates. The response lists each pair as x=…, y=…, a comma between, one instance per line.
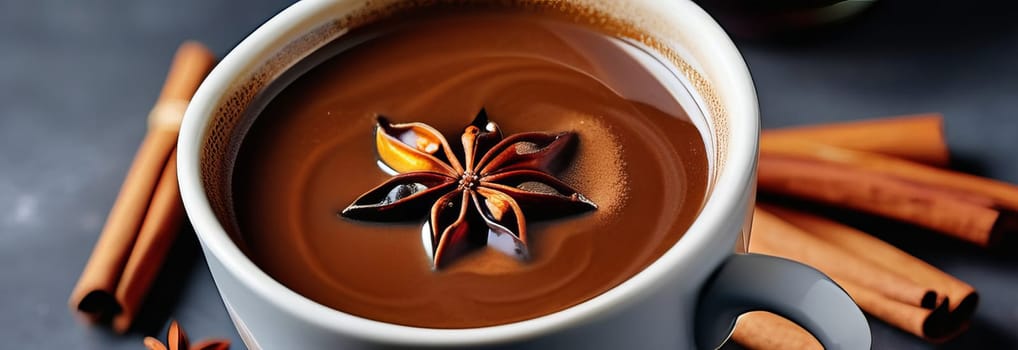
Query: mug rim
x=730, y=77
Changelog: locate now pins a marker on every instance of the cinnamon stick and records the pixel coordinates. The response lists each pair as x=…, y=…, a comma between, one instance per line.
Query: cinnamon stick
x=1003, y=195
x=930, y=324
x=765, y=331
x=95, y=294
x=960, y=296
x=929, y=317
x=966, y=216
x=158, y=232
x=761, y=330
x=774, y=236
x=919, y=138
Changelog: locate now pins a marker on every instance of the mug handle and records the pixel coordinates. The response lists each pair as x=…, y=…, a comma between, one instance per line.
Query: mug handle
x=753, y=282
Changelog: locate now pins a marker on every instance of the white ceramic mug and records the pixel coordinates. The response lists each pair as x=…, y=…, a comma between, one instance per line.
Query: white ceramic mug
x=688, y=298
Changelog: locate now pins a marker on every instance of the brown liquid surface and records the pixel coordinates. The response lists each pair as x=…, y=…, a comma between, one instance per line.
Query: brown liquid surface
x=311, y=153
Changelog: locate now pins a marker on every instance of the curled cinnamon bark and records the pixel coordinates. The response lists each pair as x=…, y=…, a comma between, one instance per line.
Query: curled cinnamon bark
x=884, y=281
x=919, y=138
x=970, y=217
x=145, y=217
x=960, y=296
x=1001, y=194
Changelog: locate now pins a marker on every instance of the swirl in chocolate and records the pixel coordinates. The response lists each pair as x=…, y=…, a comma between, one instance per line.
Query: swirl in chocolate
x=639, y=158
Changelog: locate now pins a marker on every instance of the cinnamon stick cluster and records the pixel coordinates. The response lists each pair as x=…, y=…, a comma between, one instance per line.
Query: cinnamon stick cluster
x=831, y=170
x=889, y=167
x=145, y=219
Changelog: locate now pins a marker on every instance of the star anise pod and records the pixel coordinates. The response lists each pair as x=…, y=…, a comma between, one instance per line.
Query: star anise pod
x=477, y=195
x=176, y=339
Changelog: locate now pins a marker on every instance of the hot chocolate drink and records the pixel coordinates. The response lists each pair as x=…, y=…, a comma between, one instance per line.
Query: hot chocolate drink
x=468, y=167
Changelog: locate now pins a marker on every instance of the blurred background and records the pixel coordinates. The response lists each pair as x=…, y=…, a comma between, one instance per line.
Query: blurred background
x=77, y=80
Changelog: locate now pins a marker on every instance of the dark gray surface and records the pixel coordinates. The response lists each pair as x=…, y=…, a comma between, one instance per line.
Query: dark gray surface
x=77, y=80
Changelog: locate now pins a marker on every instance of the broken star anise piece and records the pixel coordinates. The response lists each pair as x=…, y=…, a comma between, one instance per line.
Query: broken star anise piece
x=176, y=339
x=478, y=197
